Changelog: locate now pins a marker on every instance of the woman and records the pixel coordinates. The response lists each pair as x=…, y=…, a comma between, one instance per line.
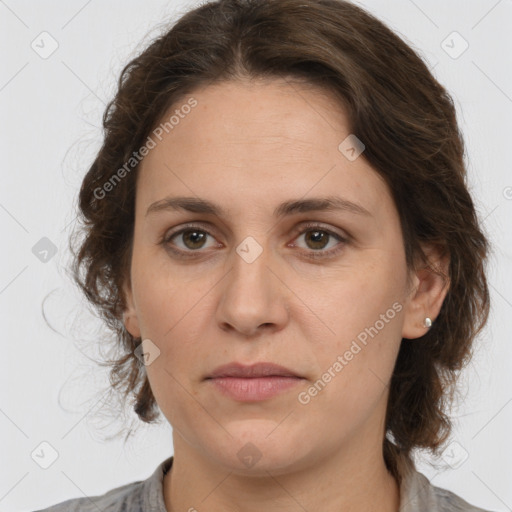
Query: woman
x=279, y=231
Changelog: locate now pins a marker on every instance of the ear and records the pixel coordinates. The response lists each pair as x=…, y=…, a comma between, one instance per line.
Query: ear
x=429, y=286
x=130, y=319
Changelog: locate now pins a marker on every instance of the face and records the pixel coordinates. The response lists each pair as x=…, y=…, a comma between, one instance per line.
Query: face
x=323, y=292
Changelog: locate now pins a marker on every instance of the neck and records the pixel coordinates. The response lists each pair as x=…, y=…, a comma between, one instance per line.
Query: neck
x=352, y=481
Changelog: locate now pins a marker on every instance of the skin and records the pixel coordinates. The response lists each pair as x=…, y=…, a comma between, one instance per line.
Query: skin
x=249, y=146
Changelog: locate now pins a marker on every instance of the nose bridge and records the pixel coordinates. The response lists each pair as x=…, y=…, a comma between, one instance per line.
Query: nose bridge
x=250, y=276
x=251, y=295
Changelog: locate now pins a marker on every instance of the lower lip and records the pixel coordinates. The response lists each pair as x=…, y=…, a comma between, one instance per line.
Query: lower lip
x=255, y=388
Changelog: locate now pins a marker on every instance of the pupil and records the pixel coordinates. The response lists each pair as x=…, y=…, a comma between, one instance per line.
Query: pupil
x=195, y=235
x=317, y=237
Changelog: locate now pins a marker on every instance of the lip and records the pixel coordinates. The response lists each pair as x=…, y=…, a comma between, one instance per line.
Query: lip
x=262, y=369
x=253, y=389
x=253, y=383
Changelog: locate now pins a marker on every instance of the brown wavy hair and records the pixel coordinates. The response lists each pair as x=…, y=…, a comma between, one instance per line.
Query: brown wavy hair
x=407, y=121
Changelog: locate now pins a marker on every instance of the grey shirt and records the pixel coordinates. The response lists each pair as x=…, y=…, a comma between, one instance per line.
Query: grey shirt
x=417, y=494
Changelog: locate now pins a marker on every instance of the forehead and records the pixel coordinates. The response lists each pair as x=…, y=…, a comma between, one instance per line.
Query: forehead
x=260, y=142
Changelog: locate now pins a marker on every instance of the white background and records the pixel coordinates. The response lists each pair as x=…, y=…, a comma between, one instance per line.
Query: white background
x=50, y=130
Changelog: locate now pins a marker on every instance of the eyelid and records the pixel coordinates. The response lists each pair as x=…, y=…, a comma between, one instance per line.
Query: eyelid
x=310, y=225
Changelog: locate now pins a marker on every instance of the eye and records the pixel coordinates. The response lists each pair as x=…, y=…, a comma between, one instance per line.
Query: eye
x=188, y=241
x=317, y=238
x=192, y=239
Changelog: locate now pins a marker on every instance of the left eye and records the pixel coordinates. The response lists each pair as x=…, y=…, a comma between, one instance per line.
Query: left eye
x=318, y=238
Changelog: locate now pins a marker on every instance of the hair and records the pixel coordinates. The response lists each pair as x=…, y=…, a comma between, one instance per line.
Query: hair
x=407, y=122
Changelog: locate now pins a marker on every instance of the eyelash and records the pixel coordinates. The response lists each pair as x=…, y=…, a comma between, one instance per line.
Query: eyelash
x=314, y=255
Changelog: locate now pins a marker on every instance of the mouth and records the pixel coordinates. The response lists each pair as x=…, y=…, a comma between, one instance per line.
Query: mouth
x=256, y=382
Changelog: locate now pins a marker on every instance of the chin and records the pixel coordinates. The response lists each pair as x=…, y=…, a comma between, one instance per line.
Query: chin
x=260, y=448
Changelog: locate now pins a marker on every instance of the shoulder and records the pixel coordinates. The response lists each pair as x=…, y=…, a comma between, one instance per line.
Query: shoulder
x=450, y=502
x=142, y=495
x=125, y=497
x=419, y=495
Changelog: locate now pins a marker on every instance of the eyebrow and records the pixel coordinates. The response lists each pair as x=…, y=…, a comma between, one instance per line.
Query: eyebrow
x=197, y=205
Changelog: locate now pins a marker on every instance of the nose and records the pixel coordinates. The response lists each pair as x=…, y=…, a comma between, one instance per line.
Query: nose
x=253, y=299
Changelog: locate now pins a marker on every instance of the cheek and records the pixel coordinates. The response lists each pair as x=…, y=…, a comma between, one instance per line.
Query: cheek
x=353, y=385
x=355, y=360
x=174, y=375
x=359, y=298
x=162, y=297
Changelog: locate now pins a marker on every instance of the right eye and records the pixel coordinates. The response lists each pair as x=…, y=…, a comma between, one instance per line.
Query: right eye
x=192, y=238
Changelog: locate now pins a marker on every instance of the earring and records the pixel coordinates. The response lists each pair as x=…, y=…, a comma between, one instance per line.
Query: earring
x=427, y=322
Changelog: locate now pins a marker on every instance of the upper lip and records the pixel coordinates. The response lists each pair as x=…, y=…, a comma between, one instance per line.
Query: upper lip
x=254, y=370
